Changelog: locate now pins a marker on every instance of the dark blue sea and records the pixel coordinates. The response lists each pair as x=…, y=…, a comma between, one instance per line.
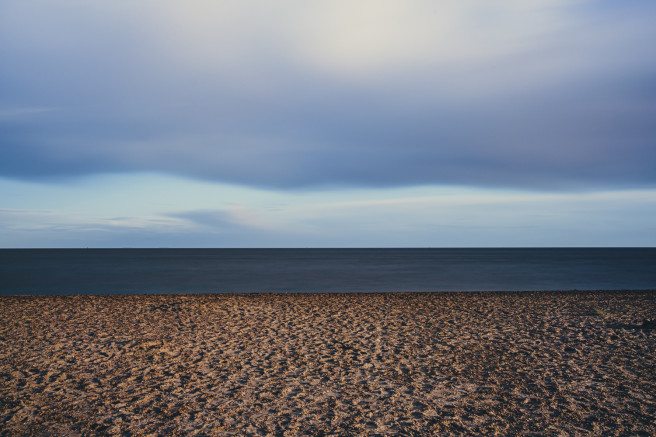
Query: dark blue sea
x=129, y=271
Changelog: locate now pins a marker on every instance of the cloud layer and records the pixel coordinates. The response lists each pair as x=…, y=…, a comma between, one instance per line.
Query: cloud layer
x=547, y=94
x=162, y=211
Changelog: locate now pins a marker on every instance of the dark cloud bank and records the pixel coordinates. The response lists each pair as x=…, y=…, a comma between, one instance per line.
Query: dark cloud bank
x=564, y=115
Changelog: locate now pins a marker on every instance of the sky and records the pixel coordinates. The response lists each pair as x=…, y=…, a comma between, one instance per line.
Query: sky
x=386, y=123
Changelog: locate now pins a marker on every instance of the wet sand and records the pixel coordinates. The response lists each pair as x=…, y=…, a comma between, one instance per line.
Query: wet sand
x=549, y=363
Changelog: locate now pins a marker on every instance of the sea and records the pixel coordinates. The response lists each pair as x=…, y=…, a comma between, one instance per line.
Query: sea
x=132, y=271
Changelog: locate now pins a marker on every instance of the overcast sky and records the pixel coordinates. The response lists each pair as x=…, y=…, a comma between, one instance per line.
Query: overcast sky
x=338, y=123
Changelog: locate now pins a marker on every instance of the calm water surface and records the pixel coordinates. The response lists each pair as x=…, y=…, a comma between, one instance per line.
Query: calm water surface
x=127, y=271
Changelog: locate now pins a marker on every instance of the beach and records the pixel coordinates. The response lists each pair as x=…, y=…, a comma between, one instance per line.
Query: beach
x=529, y=363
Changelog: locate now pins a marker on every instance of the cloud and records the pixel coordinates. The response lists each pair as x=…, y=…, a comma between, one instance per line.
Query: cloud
x=463, y=217
x=20, y=220
x=548, y=94
x=224, y=216
x=230, y=219
x=69, y=228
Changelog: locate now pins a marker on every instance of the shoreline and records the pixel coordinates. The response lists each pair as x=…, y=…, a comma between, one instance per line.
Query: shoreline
x=424, y=363
x=302, y=293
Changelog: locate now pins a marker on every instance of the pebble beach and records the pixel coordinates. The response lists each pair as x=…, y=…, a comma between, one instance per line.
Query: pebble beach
x=373, y=364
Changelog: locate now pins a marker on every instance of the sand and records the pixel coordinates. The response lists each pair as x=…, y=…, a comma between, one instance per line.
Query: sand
x=549, y=363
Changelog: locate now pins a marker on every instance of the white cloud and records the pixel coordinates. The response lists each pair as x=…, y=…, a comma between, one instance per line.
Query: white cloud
x=348, y=36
